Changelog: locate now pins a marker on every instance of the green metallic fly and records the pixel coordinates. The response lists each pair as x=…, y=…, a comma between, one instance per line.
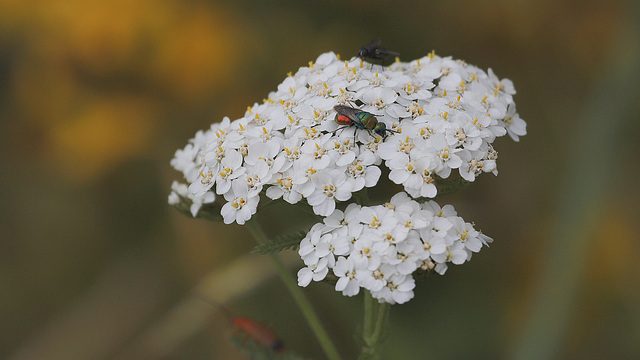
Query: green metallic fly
x=348, y=116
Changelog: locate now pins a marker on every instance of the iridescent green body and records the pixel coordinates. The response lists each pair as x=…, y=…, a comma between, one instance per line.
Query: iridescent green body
x=349, y=116
x=367, y=120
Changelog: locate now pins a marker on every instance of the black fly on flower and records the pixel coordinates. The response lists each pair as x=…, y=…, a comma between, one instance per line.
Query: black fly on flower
x=374, y=51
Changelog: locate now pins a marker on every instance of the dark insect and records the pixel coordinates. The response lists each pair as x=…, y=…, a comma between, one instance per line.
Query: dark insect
x=349, y=116
x=374, y=52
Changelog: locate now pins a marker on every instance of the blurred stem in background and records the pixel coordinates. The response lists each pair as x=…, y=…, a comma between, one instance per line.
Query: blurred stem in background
x=375, y=323
x=301, y=300
x=581, y=194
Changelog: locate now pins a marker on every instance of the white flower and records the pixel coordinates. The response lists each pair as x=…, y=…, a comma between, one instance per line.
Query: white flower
x=241, y=205
x=398, y=289
x=362, y=172
x=379, y=248
x=284, y=188
x=329, y=187
x=454, y=253
x=346, y=273
x=316, y=272
x=184, y=161
x=516, y=127
x=181, y=190
x=230, y=169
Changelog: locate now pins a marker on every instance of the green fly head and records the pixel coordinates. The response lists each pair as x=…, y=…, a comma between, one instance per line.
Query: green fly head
x=381, y=129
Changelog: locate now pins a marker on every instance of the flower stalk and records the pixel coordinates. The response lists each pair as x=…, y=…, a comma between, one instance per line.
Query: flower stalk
x=376, y=316
x=296, y=292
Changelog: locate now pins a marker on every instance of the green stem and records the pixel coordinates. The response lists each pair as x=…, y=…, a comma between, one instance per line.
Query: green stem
x=376, y=316
x=301, y=300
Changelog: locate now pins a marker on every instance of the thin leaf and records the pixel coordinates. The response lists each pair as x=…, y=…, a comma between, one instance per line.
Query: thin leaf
x=280, y=243
x=450, y=185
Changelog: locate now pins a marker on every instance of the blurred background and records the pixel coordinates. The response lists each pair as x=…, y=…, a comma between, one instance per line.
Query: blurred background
x=96, y=96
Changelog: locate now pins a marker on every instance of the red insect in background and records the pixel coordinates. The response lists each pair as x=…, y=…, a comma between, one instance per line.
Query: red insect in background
x=260, y=333
x=254, y=330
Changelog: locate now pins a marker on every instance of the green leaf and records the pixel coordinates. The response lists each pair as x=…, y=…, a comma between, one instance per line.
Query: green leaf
x=450, y=185
x=280, y=243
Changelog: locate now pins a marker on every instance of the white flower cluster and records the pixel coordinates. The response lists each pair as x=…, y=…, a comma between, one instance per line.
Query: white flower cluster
x=379, y=248
x=444, y=114
x=180, y=190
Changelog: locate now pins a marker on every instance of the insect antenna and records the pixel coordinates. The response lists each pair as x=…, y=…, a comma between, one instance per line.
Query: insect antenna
x=218, y=305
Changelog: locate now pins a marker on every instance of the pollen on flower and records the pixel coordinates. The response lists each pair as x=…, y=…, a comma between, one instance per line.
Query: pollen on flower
x=408, y=88
x=492, y=154
x=428, y=265
x=238, y=203
x=463, y=86
x=329, y=190
x=426, y=132
x=377, y=274
x=406, y=146
x=206, y=179
x=225, y=172
x=427, y=177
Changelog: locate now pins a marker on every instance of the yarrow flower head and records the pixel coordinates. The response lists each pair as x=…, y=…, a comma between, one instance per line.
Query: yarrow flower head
x=379, y=248
x=328, y=131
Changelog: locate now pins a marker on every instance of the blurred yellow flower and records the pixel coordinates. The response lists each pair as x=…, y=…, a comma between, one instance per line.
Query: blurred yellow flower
x=101, y=136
